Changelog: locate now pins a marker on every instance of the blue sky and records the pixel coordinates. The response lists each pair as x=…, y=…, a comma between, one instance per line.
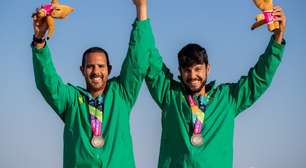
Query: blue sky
x=271, y=134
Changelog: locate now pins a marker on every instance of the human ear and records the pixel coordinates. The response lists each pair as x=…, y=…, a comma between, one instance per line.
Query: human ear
x=109, y=69
x=208, y=68
x=82, y=70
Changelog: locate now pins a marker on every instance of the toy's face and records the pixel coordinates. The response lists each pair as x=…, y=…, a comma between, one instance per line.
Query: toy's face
x=268, y=1
x=264, y=4
x=61, y=11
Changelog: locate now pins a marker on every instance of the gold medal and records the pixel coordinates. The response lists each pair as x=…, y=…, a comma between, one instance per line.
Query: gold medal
x=97, y=141
x=197, y=139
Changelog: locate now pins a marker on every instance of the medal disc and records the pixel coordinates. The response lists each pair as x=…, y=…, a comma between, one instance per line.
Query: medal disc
x=97, y=141
x=197, y=140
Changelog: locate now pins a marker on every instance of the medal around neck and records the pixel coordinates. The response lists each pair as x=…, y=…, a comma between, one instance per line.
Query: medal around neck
x=97, y=141
x=198, y=121
x=197, y=140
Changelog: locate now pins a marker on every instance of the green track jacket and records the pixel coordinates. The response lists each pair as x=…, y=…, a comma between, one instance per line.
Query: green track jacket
x=70, y=104
x=227, y=101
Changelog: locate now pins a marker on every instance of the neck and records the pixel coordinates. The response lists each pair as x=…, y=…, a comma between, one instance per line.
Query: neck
x=96, y=93
x=201, y=92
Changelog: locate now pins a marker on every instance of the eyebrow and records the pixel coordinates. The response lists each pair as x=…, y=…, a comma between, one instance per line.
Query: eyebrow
x=95, y=64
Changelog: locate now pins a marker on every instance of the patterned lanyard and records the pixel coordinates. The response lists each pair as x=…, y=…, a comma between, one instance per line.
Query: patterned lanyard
x=96, y=118
x=198, y=116
x=96, y=114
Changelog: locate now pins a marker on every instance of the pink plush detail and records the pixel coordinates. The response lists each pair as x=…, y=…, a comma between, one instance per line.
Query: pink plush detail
x=269, y=18
x=48, y=8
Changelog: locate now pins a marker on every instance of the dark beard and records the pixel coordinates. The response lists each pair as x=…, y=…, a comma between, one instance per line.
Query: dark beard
x=197, y=90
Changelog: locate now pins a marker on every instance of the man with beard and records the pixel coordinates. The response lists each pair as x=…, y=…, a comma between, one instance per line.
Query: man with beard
x=97, y=130
x=198, y=118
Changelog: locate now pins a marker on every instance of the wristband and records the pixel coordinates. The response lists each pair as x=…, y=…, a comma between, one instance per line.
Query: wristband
x=38, y=40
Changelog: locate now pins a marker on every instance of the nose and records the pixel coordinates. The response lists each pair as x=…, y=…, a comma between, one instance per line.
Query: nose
x=96, y=69
x=193, y=75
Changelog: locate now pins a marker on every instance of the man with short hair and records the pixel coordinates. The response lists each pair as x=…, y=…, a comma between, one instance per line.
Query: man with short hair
x=97, y=130
x=198, y=118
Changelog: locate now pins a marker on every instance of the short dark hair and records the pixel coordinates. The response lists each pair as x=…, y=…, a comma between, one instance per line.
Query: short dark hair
x=192, y=54
x=94, y=50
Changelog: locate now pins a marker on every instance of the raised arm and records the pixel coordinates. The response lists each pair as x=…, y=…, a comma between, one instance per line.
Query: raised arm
x=159, y=79
x=249, y=88
x=136, y=63
x=48, y=82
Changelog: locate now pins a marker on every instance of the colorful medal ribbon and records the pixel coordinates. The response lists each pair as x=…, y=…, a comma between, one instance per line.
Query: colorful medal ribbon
x=96, y=115
x=198, y=114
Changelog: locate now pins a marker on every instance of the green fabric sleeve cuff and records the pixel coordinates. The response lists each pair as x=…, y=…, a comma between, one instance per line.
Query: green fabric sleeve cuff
x=43, y=50
x=275, y=44
x=141, y=23
x=275, y=48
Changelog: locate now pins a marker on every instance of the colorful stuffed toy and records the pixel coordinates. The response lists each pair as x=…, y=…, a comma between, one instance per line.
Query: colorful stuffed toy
x=46, y=14
x=266, y=17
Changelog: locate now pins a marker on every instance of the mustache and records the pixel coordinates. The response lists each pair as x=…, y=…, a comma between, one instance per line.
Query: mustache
x=194, y=79
x=95, y=76
x=197, y=90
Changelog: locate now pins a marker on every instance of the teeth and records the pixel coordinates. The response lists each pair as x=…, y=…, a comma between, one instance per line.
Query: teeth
x=195, y=82
x=96, y=79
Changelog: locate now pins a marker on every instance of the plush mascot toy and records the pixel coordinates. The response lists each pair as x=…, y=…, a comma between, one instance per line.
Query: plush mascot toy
x=46, y=14
x=266, y=17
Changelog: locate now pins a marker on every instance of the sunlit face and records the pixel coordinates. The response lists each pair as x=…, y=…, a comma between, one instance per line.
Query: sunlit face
x=95, y=71
x=195, y=77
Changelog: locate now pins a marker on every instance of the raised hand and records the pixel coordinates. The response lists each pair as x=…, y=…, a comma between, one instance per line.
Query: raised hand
x=40, y=25
x=140, y=3
x=279, y=16
x=141, y=7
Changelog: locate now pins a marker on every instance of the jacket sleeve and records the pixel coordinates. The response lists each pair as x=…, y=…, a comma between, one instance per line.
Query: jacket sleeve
x=159, y=79
x=56, y=93
x=136, y=63
x=249, y=88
